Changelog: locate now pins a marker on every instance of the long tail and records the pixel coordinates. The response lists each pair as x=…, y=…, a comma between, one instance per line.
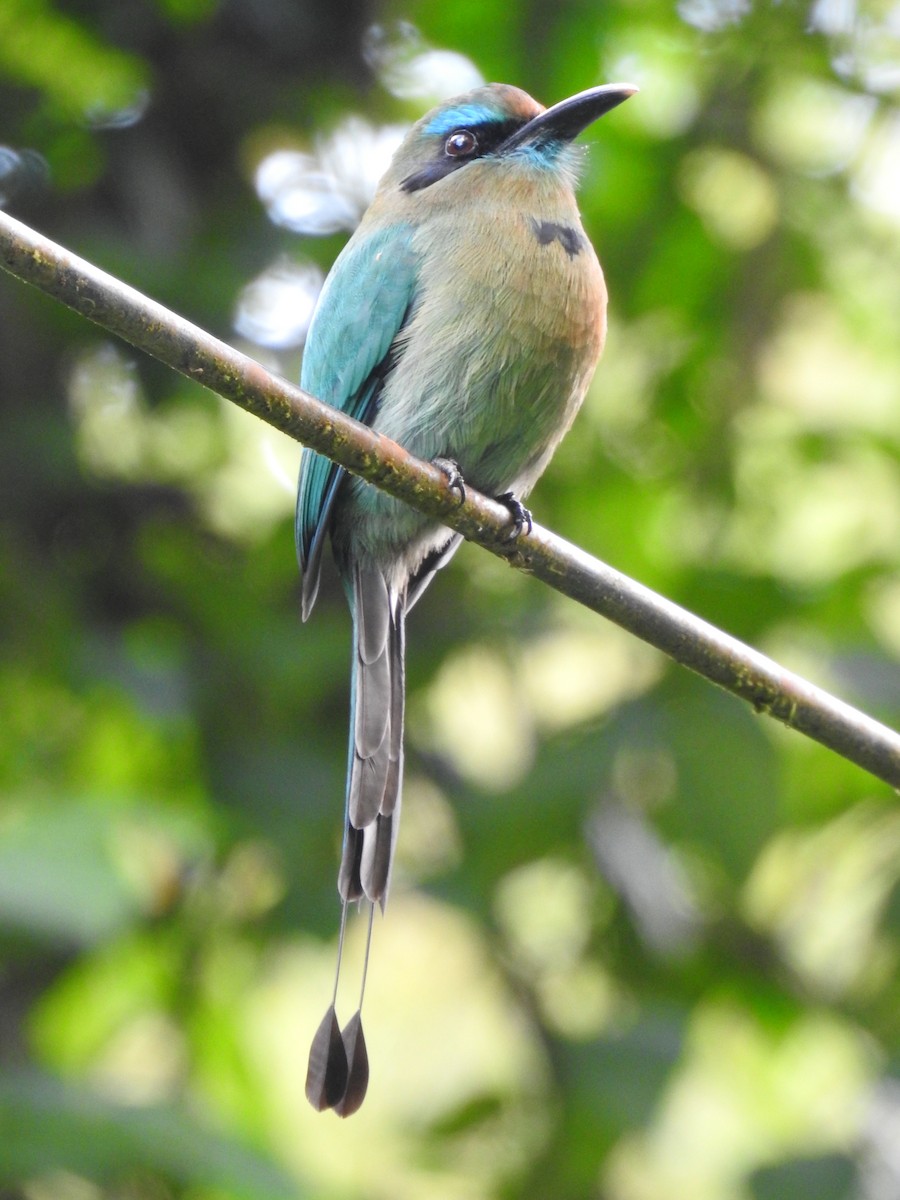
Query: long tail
x=338, y=1064
x=375, y=758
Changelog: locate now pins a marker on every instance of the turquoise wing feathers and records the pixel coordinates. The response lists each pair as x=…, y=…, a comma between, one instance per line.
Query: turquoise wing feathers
x=364, y=304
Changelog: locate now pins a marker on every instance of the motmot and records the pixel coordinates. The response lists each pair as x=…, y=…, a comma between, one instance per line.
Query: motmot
x=464, y=320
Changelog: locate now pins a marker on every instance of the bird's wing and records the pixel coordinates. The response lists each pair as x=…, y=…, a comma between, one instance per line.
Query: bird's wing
x=363, y=306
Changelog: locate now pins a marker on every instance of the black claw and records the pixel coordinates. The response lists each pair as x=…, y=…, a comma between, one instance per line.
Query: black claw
x=455, y=481
x=522, y=522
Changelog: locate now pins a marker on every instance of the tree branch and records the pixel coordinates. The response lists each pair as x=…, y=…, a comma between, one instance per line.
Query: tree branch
x=690, y=641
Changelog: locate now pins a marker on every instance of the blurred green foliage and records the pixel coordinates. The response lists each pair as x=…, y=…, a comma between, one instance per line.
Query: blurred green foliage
x=642, y=943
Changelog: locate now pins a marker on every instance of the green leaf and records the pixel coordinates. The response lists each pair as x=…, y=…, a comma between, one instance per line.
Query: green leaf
x=829, y=1177
x=45, y=1126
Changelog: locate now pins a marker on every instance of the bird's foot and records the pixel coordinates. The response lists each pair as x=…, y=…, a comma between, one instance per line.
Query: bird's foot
x=522, y=522
x=455, y=481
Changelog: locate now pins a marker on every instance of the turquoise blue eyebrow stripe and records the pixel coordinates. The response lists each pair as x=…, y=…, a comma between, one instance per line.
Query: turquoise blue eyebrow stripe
x=461, y=117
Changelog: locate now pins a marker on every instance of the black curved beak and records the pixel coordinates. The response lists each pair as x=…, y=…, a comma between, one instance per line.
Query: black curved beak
x=564, y=121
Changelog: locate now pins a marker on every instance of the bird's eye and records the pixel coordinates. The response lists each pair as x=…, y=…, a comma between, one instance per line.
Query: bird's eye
x=461, y=143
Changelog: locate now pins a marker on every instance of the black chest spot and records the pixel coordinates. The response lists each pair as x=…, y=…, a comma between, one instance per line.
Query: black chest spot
x=548, y=232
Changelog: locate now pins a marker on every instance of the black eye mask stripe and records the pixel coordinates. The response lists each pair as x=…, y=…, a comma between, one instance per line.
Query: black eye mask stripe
x=489, y=136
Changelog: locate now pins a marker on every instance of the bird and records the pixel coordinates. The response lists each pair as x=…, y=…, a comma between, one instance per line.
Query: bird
x=463, y=319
